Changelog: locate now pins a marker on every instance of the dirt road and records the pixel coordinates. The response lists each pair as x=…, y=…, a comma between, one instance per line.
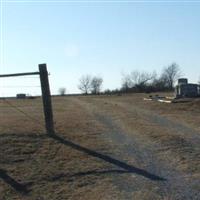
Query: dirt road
x=146, y=152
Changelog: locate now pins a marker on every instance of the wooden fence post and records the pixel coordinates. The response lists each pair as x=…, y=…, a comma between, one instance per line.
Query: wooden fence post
x=46, y=97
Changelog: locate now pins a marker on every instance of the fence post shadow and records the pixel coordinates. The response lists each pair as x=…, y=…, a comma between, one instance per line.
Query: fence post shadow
x=21, y=188
x=128, y=168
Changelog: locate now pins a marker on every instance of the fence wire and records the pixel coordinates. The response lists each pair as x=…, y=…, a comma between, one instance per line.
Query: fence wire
x=21, y=86
x=36, y=121
x=17, y=86
x=11, y=86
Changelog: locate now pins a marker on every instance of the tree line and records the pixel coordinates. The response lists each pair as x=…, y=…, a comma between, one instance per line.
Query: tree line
x=135, y=81
x=151, y=82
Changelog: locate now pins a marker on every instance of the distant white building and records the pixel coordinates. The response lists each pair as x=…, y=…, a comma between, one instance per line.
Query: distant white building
x=185, y=89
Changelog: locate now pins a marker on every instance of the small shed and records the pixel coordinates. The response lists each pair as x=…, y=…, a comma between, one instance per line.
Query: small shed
x=21, y=96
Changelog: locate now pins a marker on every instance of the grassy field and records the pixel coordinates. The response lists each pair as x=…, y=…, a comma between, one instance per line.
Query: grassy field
x=105, y=147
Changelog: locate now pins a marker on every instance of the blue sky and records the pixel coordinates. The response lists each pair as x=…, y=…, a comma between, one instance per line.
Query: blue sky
x=97, y=38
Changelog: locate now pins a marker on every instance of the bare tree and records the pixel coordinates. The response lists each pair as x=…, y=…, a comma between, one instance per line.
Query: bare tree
x=171, y=74
x=62, y=91
x=126, y=82
x=159, y=84
x=96, y=85
x=137, y=81
x=85, y=84
x=141, y=78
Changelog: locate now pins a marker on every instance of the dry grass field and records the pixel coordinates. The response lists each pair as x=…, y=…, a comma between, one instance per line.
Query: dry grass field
x=105, y=147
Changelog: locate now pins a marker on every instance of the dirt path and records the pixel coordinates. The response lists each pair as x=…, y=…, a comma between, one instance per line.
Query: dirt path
x=135, y=149
x=177, y=128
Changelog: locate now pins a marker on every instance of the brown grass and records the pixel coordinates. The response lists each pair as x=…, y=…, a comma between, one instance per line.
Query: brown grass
x=47, y=169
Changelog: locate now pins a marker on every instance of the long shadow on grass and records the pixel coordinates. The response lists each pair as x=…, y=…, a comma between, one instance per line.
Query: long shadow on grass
x=4, y=137
x=100, y=172
x=13, y=183
x=88, y=173
x=118, y=163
